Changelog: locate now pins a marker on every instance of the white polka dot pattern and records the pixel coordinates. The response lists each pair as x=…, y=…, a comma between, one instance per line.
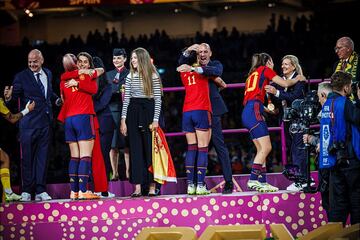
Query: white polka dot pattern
x=124, y=219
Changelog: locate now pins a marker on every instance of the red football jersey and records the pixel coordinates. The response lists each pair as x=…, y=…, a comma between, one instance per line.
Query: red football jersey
x=256, y=82
x=78, y=100
x=196, y=92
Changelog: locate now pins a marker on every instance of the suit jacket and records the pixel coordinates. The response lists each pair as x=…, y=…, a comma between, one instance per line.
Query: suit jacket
x=212, y=69
x=102, y=109
x=25, y=88
x=116, y=101
x=296, y=91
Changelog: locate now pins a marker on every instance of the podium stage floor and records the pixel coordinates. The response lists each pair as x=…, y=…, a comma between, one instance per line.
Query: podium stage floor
x=123, y=217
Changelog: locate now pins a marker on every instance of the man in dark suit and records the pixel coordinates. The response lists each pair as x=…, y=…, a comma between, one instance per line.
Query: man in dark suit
x=116, y=78
x=212, y=69
x=34, y=84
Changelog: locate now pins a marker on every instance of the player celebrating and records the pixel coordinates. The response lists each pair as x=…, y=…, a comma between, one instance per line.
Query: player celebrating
x=196, y=123
x=260, y=75
x=77, y=88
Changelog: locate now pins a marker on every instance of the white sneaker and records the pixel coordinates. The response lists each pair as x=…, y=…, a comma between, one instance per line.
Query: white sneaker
x=191, y=189
x=295, y=187
x=261, y=187
x=298, y=187
x=202, y=190
x=25, y=197
x=12, y=197
x=44, y=196
x=266, y=187
x=254, y=185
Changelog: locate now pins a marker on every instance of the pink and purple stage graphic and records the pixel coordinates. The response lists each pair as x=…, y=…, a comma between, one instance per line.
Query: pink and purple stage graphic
x=123, y=217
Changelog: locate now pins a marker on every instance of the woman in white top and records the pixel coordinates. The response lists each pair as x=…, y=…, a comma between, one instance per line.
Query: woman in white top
x=140, y=114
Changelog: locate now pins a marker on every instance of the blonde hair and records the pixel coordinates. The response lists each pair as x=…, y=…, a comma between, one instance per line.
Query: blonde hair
x=69, y=62
x=145, y=69
x=295, y=62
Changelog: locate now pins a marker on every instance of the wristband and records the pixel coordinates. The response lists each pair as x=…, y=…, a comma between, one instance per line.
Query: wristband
x=25, y=111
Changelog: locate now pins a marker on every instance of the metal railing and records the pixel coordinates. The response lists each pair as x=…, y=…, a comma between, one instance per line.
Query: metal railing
x=244, y=130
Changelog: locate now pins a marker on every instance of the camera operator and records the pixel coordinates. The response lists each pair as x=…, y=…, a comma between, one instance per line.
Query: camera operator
x=340, y=151
x=284, y=97
x=323, y=91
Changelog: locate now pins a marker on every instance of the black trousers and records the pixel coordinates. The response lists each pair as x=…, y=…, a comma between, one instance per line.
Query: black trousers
x=345, y=193
x=324, y=182
x=139, y=116
x=298, y=153
x=296, y=149
x=106, y=140
x=217, y=140
x=35, y=152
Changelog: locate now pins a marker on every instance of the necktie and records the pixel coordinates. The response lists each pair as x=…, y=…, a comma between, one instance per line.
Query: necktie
x=343, y=65
x=38, y=81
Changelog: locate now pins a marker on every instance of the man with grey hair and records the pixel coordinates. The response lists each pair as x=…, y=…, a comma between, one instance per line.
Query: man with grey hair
x=323, y=91
x=348, y=61
x=212, y=69
x=34, y=84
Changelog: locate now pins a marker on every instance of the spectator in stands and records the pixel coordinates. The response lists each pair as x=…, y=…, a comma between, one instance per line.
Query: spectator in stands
x=348, y=60
x=284, y=97
x=211, y=69
x=35, y=84
x=260, y=75
x=116, y=78
x=140, y=114
x=4, y=158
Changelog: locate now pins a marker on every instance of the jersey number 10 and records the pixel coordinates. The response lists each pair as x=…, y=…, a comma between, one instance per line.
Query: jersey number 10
x=251, y=82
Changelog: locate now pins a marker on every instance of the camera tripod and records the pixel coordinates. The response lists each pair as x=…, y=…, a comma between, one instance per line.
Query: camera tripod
x=308, y=188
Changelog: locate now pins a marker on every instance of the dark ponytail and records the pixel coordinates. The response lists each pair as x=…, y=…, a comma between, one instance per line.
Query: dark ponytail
x=258, y=59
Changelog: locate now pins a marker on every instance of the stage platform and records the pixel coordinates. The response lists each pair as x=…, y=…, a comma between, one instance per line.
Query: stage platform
x=216, y=183
x=123, y=217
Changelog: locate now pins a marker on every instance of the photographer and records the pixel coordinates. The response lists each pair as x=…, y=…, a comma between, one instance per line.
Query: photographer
x=339, y=149
x=323, y=91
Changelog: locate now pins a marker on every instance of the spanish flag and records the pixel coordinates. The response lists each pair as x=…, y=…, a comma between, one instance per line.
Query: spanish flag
x=162, y=164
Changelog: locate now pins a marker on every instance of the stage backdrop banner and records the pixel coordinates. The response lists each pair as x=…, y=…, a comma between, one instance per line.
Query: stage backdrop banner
x=31, y=4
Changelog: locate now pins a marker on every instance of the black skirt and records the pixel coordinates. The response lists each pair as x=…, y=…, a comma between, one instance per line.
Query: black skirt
x=140, y=115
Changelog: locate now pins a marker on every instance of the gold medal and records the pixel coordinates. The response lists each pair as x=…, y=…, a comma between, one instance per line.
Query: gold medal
x=271, y=107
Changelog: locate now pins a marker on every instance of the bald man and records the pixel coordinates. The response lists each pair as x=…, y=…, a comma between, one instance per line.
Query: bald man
x=212, y=69
x=33, y=84
x=348, y=60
